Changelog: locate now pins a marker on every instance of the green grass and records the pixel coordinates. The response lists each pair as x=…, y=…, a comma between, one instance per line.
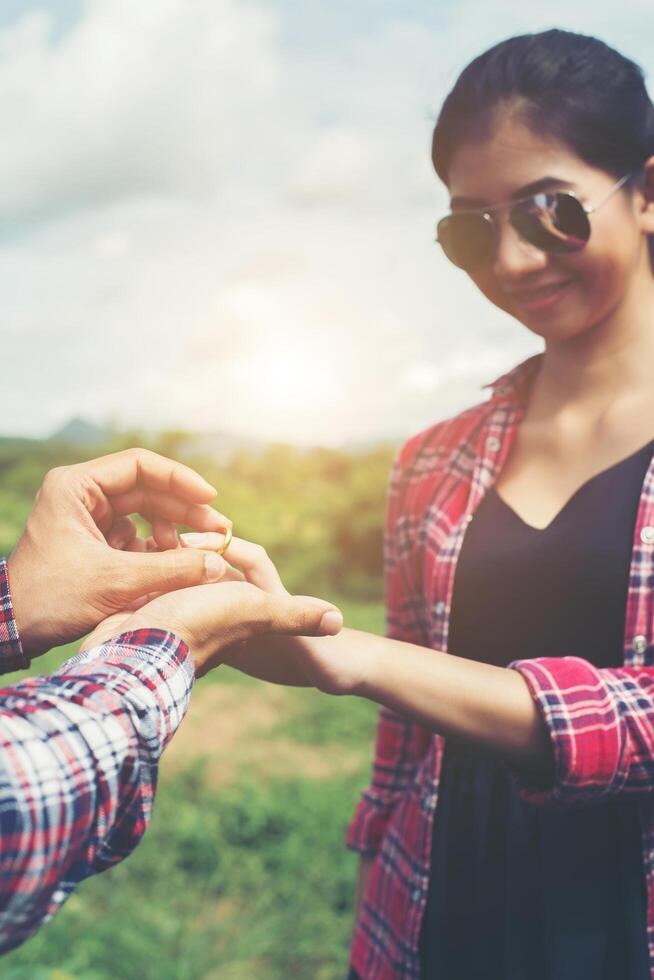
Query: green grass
x=249, y=882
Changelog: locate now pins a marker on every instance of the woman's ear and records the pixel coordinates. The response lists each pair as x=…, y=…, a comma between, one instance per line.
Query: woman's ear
x=646, y=187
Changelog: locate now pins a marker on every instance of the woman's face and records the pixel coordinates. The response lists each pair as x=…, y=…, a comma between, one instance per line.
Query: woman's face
x=555, y=296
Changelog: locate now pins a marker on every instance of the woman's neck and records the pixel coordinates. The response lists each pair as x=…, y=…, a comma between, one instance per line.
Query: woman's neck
x=610, y=360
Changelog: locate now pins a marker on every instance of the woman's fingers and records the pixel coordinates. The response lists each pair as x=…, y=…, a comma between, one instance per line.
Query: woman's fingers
x=255, y=564
x=252, y=560
x=206, y=540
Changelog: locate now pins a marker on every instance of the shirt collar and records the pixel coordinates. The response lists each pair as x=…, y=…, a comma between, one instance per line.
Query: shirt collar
x=515, y=384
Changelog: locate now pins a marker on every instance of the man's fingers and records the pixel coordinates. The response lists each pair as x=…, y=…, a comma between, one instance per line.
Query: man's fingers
x=118, y=473
x=151, y=505
x=141, y=574
x=121, y=534
x=164, y=534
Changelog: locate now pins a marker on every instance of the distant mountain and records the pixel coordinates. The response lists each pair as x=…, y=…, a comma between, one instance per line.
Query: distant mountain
x=219, y=445
x=79, y=432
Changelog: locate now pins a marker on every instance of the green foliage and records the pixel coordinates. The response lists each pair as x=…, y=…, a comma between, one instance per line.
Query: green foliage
x=250, y=881
x=318, y=512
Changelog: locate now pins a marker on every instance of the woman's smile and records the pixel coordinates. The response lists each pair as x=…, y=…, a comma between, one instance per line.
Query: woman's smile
x=539, y=299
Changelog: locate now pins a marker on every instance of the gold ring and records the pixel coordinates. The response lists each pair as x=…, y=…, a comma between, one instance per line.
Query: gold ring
x=227, y=531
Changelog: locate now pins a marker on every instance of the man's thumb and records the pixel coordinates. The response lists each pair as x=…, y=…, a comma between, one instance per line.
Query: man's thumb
x=305, y=616
x=165, y=571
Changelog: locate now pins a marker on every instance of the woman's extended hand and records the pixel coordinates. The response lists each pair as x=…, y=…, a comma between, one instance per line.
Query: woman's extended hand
x=333, y=664
x=214, y=619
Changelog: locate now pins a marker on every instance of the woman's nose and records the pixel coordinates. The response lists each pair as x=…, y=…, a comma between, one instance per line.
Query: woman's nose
x=515, y=257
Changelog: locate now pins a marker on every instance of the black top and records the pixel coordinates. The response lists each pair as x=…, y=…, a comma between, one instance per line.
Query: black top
x=517, y=891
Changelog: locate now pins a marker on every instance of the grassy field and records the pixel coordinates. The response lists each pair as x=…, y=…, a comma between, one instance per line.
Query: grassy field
x=243, y=874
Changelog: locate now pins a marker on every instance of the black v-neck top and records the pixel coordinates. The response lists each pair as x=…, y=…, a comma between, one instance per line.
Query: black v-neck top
x=518, y=891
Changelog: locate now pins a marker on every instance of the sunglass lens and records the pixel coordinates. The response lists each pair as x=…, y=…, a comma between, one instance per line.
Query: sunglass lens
x=552, y=222
x=466, y=239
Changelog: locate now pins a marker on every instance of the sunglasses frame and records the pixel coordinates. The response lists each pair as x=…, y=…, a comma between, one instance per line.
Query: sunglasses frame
x=488, y=215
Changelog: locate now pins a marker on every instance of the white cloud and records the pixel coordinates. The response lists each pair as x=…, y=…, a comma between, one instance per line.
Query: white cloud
x=189, y=194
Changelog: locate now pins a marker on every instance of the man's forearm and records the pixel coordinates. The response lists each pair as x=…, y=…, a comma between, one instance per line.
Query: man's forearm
x=83, y=743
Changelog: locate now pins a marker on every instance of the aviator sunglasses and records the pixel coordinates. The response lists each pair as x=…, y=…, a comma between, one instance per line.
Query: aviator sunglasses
x=552, y=221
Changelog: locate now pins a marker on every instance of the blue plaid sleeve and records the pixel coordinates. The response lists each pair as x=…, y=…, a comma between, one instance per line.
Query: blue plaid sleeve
x=79, y=755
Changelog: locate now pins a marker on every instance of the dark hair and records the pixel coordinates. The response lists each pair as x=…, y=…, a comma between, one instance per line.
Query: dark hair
x=569, y=86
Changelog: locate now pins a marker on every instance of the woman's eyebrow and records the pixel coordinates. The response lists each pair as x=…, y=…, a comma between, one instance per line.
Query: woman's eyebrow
x=535, y=187
x=544, y=184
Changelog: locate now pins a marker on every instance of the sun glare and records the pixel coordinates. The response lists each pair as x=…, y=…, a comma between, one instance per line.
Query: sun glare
x=283, y=381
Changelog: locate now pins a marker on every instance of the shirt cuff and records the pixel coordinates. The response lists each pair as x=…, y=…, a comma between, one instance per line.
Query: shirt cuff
x=154, y=659
x=12, y=656
x=583, y=724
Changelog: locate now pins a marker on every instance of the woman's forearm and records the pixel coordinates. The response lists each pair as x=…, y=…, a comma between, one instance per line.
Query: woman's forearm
x=489, y=706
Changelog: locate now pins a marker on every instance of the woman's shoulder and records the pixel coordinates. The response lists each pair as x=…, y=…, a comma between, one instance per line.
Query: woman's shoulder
x=441, y=439
x=459, y=433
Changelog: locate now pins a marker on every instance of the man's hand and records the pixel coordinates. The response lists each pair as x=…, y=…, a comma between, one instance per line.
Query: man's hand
x=211, y=619
x=67, y=573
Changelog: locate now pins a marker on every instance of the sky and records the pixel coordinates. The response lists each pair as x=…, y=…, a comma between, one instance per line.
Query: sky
x=219, y=215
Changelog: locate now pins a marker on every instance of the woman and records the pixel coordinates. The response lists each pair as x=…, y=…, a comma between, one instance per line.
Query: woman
x=509, y=828
x=473, y=878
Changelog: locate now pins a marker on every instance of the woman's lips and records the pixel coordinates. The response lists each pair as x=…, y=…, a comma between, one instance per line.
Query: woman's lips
x=541, y=298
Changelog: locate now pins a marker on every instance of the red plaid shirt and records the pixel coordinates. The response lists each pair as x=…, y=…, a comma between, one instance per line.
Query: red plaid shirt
x=601, y=721
x=79, y=752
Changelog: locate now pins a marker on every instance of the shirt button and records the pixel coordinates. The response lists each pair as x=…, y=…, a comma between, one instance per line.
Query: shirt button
x=416, y=895
x=493, y=443
x=647, y=535
x=440, y=607
x=58, y=896
x=651, y=857
x=640, y=644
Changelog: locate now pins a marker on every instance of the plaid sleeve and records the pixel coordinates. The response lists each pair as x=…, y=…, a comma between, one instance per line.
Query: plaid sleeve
x=11, y=649
x=79, y=753
x=400, y=744
x=601, y=722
